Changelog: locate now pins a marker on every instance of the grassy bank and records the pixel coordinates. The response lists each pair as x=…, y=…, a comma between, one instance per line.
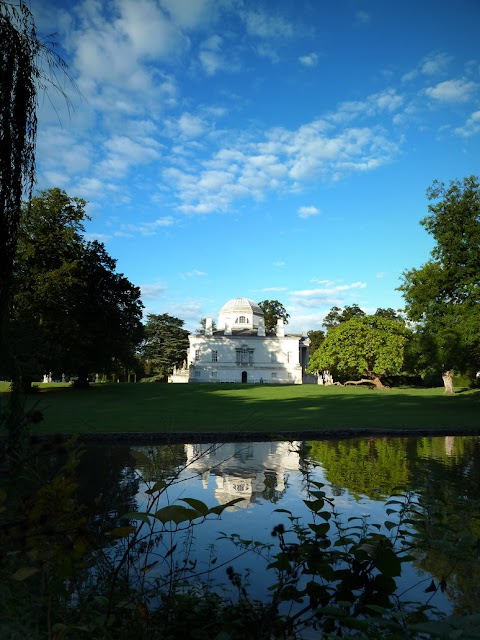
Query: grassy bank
x=162, y=408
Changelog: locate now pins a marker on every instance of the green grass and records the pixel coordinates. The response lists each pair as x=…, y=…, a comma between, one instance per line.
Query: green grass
x=182, y=408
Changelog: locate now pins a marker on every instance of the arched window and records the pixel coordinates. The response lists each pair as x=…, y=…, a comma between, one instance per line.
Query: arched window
x=241, y=320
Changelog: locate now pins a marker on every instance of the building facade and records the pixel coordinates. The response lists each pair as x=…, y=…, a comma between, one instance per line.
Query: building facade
x=240, y=350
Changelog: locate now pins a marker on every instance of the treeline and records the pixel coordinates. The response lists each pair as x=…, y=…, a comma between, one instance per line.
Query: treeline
x=439, y=331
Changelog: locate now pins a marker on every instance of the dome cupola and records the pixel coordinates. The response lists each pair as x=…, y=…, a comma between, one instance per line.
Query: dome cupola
x=239, y=313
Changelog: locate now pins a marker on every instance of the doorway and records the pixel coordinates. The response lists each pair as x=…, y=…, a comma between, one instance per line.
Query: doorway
x=244, y=376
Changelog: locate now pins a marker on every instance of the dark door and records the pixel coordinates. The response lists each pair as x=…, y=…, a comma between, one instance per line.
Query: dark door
x=244, y=376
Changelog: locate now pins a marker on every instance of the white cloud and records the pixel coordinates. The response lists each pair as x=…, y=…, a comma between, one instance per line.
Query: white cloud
x=92, y=188
x=190, y=311
x=56, y=179
x=263, y=25
x=101, y=237
x=147, y=29
x=307, y=212
x=471, y=126
x=387, y=101
x=452, y=91
x=123, y=234
x=152, y=291
x=148, y=228
x=195, y=273
x=309, y=60
x=123, y=153
x=433, y=64
x=210, y=55
x=216, y=55
x=191, y=126
x=279, y=263
x=271, y=289
x=190, y=14
x=333, y=294
x=282, y=160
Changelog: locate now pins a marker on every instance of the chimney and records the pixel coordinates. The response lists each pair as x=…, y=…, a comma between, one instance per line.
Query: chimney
x=208, y=326
x=280, y=328
x=228, y=329
x=261, y=327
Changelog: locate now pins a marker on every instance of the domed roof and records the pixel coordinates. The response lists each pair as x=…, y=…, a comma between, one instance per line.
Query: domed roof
x=241, y=305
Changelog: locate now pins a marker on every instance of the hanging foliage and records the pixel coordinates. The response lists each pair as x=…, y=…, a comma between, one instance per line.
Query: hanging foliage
x=27, y=66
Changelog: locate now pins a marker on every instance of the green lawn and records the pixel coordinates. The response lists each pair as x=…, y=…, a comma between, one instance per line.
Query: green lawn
x=181, y=408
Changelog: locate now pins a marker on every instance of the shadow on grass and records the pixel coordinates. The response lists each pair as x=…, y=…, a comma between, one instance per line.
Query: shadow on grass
x=262, y=409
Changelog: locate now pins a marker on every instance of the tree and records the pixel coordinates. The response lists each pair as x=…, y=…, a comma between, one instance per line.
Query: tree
x=336, y=315
x=368, y=346
x=316, y=338
x=166, y=343
x=443, y=295
x=389, y=313
x=273, y=310
x=71, y=312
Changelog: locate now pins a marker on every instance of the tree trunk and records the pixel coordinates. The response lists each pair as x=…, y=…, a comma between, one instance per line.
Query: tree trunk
x=377, y=383
x=82, y=381
x=447, y=377
x=26, y=384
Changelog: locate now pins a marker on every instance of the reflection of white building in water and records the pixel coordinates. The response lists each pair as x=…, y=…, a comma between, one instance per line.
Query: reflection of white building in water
x=240, y=350
x=248, y=470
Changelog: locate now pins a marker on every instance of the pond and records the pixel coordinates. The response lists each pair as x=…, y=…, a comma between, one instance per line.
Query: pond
x=441, y=475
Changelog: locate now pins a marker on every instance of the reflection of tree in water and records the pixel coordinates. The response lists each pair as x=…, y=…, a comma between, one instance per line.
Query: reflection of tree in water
x=108, y=485
x=447, y=479
x=370, y=467
x=444, y=472
x=271, y=493
x=159, y=462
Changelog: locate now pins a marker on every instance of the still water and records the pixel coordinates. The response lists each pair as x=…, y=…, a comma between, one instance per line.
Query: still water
x=442, y=475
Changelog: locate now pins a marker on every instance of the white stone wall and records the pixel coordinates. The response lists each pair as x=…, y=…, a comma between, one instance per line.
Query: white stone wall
x=275, y=360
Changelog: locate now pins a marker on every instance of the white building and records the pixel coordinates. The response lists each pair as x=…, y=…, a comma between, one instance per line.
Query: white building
x=240, y=350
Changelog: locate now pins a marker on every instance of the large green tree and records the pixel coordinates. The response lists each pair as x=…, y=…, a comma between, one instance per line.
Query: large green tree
x=72, y=312
x=443, y=296
x=166, y=344
x=337, y=315
x=273, y=310
x=367, y=346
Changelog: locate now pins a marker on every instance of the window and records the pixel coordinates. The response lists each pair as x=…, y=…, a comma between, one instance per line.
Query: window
x=213, y=374
x=290, y=356
x=273, y=357
x=274, y=374
x=197, y=354
x=214, y=355
x=241, y=320
x=244, y=355
x=197, y=374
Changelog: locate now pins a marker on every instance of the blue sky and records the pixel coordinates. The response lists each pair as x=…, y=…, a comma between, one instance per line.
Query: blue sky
x=264, y=149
